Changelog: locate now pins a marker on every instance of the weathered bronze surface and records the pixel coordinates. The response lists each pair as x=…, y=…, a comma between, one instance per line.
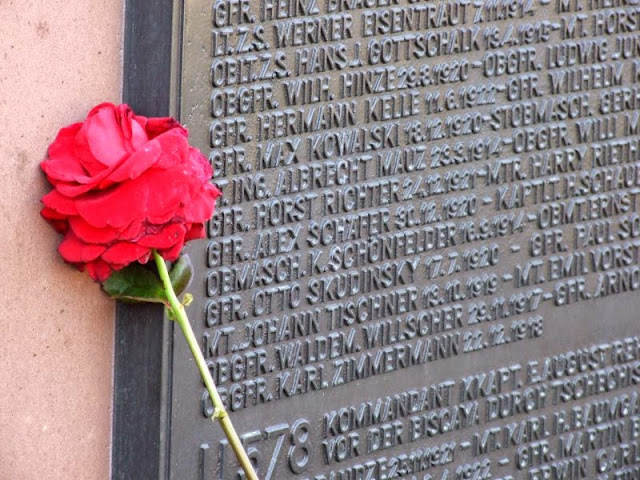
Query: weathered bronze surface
x=426, y=261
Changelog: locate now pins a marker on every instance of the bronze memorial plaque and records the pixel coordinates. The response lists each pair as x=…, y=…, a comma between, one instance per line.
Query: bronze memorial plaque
x=426, y=262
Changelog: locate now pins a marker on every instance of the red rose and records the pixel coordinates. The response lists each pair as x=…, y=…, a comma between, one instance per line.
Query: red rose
x=123, y=186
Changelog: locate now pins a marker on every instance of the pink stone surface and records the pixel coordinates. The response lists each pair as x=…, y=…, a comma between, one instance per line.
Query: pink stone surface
x=58, y=58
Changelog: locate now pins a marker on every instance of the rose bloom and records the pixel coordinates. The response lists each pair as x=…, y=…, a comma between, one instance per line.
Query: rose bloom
x=123, y=186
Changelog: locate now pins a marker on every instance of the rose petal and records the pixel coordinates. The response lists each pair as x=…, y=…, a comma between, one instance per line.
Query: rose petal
x=158, y=126
x=61, y=162
x=60, y=226
x=124, y=116
x=76, y=189
x=81, y=147
x=58, y=221
x=153, y=196
x=195, y=232
x=145, y=258
x=132, y=232
x=133, y=133
x=200, y=208
x=82, y=152
x=104, y=135
x=139, y=136
x=98, y=270
x=124, y=253
x=75, y=250
x=90, y=234
x=172, y=253
x=50, y=214
x=84, y=184
x=97, y=182
x=117, y=208
x=201, y=164
x=136, y=163
x=163, y=237
x=175, y=149
x=58, y=202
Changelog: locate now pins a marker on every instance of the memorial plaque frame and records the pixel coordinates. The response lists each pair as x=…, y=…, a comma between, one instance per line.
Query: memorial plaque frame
x=144, y=352
x=143, y=339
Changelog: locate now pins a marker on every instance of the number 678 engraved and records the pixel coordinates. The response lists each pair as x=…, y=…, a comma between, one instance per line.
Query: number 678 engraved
x=266, y=449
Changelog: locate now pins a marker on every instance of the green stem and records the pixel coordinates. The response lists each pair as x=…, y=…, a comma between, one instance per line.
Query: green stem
x=220, y=413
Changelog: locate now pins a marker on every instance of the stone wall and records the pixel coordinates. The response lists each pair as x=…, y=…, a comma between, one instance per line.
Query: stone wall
x=57, y=59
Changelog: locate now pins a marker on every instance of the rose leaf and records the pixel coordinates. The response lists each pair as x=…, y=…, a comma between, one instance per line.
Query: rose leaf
x=181, y=274
x=136, y=284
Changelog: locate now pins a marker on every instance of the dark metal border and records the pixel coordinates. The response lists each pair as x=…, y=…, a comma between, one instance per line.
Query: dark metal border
x=143, y=339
